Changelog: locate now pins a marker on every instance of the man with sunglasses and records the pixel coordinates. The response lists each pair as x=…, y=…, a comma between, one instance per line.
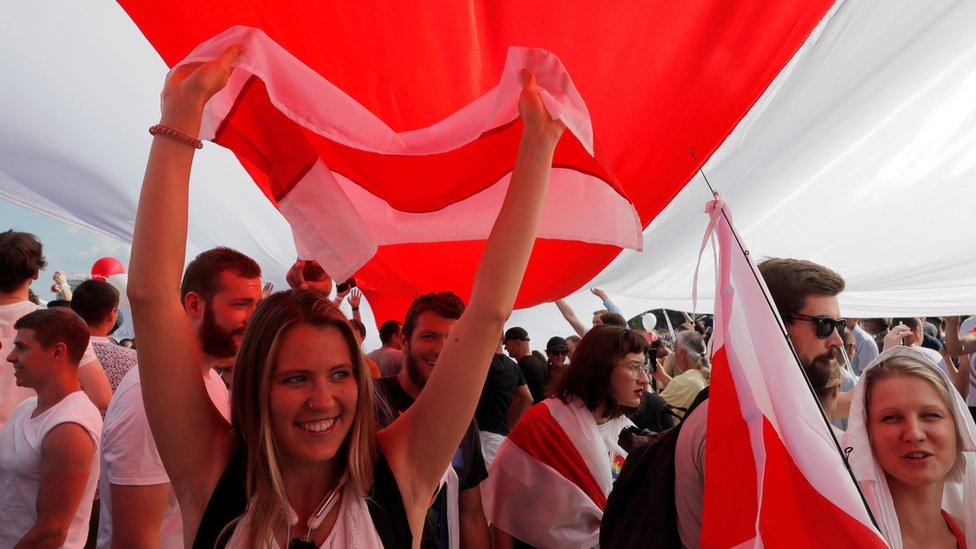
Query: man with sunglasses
x=805, y=295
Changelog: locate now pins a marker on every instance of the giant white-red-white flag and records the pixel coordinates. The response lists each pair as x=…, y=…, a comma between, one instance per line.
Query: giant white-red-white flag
x=385, y=132
x=774, y=476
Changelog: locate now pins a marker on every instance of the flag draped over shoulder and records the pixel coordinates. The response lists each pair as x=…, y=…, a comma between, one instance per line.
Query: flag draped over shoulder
x=549, y=481
x=774, y=476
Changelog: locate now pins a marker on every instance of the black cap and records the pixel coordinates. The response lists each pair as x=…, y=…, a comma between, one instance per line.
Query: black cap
x=516, y=333
x=557, y=344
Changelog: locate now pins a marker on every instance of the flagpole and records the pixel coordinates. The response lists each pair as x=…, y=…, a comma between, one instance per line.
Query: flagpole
x=782, y=327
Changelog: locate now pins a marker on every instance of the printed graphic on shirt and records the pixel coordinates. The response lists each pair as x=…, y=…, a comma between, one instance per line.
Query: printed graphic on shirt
x=616, y=464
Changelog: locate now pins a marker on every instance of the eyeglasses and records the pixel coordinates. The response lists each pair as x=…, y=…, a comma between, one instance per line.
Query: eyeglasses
x=825, y=324
x=638, y=368
x=558, y=353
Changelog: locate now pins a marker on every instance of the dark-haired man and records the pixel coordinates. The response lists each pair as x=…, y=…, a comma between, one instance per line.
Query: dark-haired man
x=427, y=326
x=536, y=374
x=220, y=289
x=805, y=295
x=21, y=261
x=97, y=302
x=49, y=446
x=389, y=357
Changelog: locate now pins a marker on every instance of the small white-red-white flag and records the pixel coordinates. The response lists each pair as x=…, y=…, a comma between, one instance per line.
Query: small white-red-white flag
x=774, y=476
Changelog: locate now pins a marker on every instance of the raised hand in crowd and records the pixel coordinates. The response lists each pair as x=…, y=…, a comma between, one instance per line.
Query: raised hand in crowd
x=896, y=336
x=355, y=298
x=61, y=286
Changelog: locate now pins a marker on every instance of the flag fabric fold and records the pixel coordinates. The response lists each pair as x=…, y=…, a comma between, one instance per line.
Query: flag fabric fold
x=407, y=78
x=327, y=156
x=774, y=475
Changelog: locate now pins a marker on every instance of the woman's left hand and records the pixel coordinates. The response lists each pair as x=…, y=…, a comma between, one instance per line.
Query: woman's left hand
x=189, y=87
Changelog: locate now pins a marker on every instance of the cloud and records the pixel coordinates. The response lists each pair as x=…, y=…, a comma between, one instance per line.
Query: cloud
x=104, y=246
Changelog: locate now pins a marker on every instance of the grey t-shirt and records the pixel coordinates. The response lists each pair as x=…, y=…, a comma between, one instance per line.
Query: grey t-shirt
x=689, y=475
x=388, y=360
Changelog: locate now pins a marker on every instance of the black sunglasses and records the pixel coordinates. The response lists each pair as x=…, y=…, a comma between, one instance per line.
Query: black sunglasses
x=825, y=324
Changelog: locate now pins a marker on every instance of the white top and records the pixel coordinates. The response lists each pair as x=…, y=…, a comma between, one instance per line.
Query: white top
x=129, y=456
x=10, y=394
x=20, y=465
x=353, y=528
x=610, y=433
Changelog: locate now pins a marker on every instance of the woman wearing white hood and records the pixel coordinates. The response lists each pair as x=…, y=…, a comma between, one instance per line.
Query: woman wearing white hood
x=912, y=447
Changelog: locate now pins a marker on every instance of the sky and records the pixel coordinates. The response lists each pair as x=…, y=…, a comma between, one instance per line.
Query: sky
x=67, y=247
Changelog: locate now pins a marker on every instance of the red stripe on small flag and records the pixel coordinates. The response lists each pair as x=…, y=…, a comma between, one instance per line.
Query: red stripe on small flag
x=794, y=514
x=729, y=514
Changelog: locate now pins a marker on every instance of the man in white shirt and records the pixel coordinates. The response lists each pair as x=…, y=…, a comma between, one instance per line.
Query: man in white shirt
x=21, y=260
x=220, y=289
x=49, y=446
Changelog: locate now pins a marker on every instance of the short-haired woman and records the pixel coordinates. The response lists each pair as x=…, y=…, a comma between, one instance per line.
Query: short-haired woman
x=550, y=479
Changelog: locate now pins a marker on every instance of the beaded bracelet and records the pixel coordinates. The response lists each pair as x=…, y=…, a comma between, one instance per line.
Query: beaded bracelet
x=173, y=133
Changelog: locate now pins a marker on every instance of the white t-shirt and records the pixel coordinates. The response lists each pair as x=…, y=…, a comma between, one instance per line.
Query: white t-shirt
x=130, y=458
x=689, y=475
x=20, y=465
x=610, y=433
x=10, y=394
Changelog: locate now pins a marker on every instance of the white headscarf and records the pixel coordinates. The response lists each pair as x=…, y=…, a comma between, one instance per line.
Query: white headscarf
x=959, y=495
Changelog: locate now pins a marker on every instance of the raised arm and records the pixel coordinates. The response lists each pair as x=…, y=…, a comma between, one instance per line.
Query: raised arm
x=66, y=455
x=607, y=303
x=419, y=445
x=955, y=344
x=570, y=317
x=193, y=440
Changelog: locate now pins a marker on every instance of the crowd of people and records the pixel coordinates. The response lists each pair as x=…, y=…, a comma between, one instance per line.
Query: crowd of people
x=244, y=417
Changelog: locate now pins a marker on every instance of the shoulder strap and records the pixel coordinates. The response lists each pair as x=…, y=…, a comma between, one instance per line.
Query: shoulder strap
x=386, y=507
x=228, y=501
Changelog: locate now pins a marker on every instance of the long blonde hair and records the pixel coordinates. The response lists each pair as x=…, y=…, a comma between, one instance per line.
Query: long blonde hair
x=251, y=414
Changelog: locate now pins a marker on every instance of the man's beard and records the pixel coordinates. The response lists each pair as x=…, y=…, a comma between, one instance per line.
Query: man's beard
x=215, y=341
x=825, y=358
x=414, y=372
